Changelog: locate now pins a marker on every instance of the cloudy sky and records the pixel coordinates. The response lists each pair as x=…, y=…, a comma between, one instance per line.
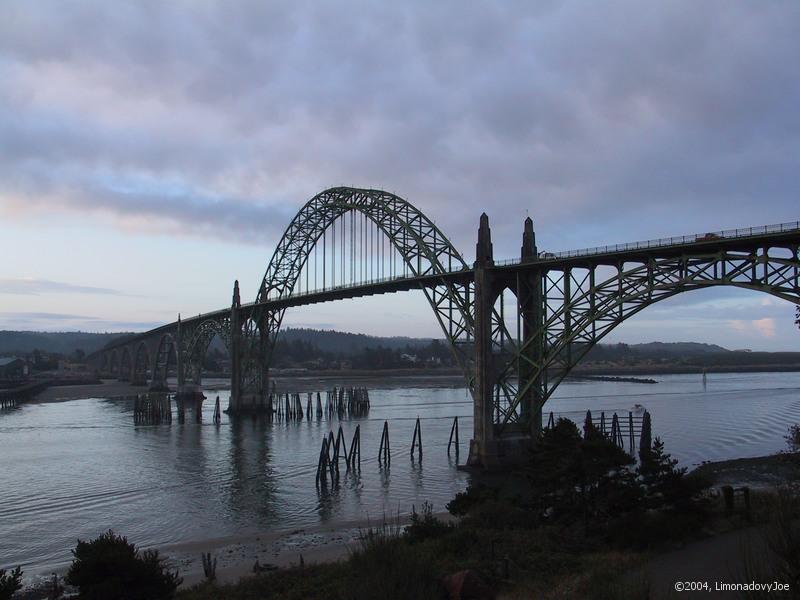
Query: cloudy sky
x=152, y=152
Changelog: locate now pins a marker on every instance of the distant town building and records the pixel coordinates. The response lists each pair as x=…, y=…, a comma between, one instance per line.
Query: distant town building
x=13, y=368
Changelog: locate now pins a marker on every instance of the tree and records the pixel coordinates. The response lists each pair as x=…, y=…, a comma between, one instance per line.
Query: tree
x=573, y=475
x=110, y=567
x=645, y=438
x=665, y=485
x=10, y=583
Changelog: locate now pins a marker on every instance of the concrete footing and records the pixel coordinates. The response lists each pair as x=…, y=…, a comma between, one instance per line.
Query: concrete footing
x=500, y=453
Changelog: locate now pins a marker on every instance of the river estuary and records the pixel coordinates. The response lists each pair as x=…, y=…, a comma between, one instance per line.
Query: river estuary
x=76, y=468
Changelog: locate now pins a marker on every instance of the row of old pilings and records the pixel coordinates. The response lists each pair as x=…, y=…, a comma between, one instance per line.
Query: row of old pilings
x=342, y=402
x=334, y=448
x=347, y=401
x=8, y=401
x=152, y=409
x=618, y=430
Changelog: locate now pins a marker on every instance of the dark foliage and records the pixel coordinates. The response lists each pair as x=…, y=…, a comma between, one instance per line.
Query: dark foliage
x=425, y=526
x=384, y=561
x=111, y=568
x=646, y=437
x=574, y=476
x=475, y=495
x=10, y=583
x=793, y=438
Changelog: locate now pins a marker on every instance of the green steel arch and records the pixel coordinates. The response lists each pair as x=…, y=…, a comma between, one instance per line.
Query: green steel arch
x=423, y=247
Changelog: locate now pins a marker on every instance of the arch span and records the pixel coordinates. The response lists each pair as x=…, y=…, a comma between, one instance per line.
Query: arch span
x=196, y=346
x=125, y=365
x=424, y=250
x=579, y=312
x=141, y=364
x=166, y=355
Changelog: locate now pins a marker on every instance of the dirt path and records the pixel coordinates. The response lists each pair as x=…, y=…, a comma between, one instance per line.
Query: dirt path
x=717, y=560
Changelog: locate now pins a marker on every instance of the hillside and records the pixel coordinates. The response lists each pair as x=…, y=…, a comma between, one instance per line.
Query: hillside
x=339, y=342
x=25, y=342
x=301, y=345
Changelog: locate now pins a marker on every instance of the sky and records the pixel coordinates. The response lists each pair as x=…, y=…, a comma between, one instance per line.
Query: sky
x=152, y=152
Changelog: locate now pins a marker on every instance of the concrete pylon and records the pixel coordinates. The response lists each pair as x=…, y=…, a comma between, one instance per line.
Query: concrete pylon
x=482, y=451
x=179, y=355
x=531, y=311
x=235, y=351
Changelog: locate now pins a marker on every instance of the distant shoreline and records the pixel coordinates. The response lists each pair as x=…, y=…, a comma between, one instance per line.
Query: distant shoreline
x=315, y=381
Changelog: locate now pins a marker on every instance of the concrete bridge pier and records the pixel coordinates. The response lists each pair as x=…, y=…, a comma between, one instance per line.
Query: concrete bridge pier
x=235, y=401
x=488, y=449
x=532, y=311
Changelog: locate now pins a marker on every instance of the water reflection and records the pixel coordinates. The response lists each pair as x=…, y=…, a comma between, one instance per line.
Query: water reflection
x=73, y=469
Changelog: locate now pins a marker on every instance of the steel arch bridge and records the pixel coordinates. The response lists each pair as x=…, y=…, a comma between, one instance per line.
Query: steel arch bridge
x=349, y=243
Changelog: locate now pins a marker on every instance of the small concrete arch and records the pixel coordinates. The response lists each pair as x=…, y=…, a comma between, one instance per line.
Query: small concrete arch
x=125, y=365
x=141, y=364
x=166, y=355
x=113, y=365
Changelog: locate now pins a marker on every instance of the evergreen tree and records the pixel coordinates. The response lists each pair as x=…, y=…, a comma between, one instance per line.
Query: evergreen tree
x=646, y=438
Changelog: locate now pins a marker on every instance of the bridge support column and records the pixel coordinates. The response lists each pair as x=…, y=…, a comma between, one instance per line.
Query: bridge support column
x=531, y=311
x=494, y=445
x=234, y=404
x=482, y=447
x=188, y=394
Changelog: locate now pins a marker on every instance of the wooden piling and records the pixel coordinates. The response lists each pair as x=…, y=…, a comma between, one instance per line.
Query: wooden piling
x=384, y=454
x=416, y=441
x=453, y=430
x=355, y=449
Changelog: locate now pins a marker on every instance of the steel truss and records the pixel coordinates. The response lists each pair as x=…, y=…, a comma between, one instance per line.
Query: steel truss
x=194, y=340
x=578, y=307
x=424, y=249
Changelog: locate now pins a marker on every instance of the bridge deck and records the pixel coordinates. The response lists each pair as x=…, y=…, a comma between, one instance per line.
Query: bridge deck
x=610, y=254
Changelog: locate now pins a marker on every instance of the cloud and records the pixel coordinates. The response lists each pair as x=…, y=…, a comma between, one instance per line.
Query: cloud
x=227, y=119
x=766, y=327
x=35, y=287
x=606, y=122
x=51, y=321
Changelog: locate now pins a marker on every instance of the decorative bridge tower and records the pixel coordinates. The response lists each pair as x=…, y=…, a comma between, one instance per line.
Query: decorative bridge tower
x=493, y=445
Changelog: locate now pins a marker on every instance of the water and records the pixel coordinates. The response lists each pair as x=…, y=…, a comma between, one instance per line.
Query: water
x=74, y=469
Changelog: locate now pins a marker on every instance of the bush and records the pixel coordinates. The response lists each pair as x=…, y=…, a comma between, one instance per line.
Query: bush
x=10, y=583
x=793, y=438
x=667, y=486
x=110, y=567
x=385, y=561
x=475, y=495
x=776, y=557
x=426, y=526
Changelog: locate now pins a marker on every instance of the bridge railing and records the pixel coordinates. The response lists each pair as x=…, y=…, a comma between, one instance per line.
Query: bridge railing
x=745, y=232
x=362, y=283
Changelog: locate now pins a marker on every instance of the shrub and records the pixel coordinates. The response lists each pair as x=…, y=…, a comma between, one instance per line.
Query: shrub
x=10, y=583
x=426, y=526
x=575, y=476
x=776, y=557
x=793, y=438
x=110, y=567
x=385, y=561
x=475, y=495
x=667, y=486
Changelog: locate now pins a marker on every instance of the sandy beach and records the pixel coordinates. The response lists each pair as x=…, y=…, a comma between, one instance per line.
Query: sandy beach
x=111, y=388
x=237, y=555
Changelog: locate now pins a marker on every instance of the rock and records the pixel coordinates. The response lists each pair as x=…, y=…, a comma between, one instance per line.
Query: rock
x=467, y=585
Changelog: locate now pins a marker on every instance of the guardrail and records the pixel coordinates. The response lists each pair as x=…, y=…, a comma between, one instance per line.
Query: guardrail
x=712, y=236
